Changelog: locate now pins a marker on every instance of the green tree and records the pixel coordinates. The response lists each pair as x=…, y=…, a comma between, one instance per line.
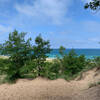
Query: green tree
x=73, y=63
x=41, y=49
x=61, y=50
x=93, y=5
x=19, y=52
x=62, y=53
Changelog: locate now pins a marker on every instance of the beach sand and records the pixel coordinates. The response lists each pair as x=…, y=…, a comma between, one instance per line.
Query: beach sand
x=44, y=89
x=4, y=57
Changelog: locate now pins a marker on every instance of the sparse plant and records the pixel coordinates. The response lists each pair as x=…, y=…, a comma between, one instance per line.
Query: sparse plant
x=92, y=85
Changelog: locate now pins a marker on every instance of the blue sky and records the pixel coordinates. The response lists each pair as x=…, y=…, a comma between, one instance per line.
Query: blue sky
x=63, y=22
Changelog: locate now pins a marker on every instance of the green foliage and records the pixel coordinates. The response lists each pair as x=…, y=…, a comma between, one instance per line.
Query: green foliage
x=93, y=5
x=41, y=49
x=67, y=67
x=97, y=62
x=27, y=61
x=4, y=63
x=51, y=70
x=60, y=59
x=19, y=51
x=98, y=83
x=29, y=70
x=73, y=64
x=61, y=50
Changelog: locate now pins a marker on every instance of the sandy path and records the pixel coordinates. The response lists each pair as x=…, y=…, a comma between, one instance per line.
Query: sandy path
x=43, y=89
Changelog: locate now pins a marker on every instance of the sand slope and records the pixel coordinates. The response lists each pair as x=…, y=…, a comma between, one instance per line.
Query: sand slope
x=43, y=89
x=90, y=94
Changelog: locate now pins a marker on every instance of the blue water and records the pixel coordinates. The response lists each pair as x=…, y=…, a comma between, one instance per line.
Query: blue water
x=89, y=53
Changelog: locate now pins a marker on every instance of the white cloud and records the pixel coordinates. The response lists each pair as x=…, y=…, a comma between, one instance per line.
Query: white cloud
x=86, y=1
x=52, y=10
x=4, y=29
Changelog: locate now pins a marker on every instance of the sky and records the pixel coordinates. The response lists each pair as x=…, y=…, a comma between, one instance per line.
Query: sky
x=63, y=22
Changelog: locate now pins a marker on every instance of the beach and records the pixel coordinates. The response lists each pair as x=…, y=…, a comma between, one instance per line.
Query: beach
x=4, y=57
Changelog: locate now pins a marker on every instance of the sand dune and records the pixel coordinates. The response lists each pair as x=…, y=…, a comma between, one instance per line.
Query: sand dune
x=89, y=94
x=44, y=89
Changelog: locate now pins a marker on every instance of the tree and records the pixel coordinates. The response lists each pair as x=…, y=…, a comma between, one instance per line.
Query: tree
x=62, y=53
x=93, y=5
x=61, y=50
x=41, y=49
x=19, y=52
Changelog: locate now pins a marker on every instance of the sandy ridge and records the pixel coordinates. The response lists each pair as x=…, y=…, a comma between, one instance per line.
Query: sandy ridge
x=44, y=89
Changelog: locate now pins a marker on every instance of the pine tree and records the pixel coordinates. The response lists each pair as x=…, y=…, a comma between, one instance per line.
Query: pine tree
x=19, y=52
x=41, y=49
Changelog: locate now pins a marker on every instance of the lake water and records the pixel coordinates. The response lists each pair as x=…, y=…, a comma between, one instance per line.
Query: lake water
x=89, y=53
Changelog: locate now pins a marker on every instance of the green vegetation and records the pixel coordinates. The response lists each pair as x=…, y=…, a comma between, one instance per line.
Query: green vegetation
x=41, y=48
x=29, y=61
x=97, y=62
x=19, y=51
x=93, y=5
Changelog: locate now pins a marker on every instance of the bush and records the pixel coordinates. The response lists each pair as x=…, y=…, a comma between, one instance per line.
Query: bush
x=73, y=64
x=89, y=65
x=67, y=67
x=4, y=63
x=97, y=62
x=51, y=70
x=29, y=70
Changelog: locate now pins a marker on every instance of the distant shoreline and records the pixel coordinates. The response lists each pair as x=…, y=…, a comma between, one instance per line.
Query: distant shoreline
x=6, y=57
x=88, y=53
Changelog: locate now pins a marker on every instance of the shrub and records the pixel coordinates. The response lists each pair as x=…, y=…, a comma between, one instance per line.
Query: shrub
x=29, y=70
x=51, y=70
x=98, y=83
x=73, y=64
x=41, y=49
x=97, y=62
x=89, y=65
x=4, y=63
x=19, y=51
